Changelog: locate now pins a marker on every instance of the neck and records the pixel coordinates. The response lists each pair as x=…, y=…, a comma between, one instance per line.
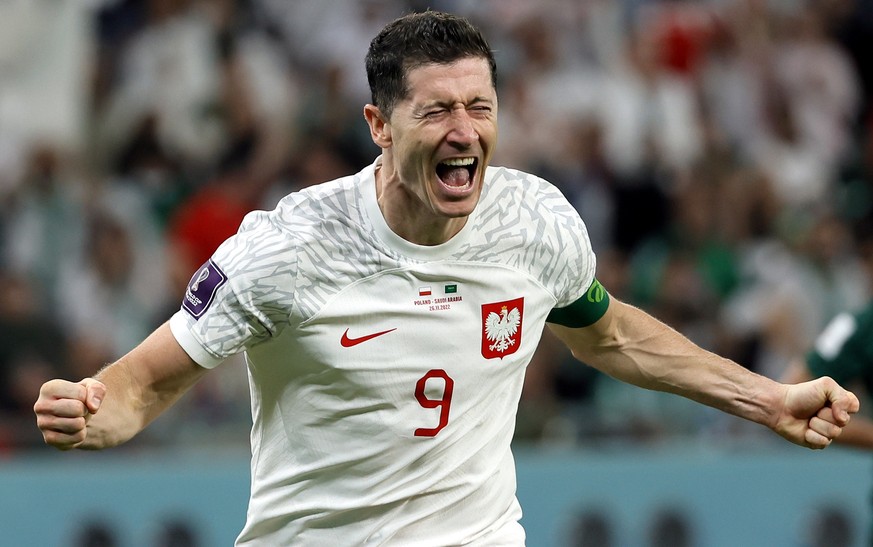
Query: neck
x=408, y=216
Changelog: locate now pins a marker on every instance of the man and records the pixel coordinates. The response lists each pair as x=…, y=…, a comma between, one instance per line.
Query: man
x=387, y=320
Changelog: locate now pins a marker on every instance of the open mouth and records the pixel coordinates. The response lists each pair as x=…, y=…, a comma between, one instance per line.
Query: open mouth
x=457, y=173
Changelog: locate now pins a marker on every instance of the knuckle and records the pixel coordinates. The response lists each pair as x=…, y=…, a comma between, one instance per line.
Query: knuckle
x=63, y=441
x=41, y=421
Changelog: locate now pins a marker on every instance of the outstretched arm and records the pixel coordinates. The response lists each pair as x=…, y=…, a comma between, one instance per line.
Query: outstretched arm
x=121, y=399
x=634, y=347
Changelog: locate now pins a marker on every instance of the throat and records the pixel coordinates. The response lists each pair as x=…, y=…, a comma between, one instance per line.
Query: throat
x=410, y=220
x=408, y=216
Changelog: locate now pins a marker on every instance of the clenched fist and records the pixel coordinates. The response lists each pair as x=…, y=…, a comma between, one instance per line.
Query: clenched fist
x=64, y=408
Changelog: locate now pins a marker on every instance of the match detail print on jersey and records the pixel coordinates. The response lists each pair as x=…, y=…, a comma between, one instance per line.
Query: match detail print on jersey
x=202, y=288
x=347, y=341
x=501, y=328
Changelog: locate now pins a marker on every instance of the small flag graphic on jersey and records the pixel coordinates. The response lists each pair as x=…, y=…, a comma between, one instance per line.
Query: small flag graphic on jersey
x=424, y=291
x=451, y=289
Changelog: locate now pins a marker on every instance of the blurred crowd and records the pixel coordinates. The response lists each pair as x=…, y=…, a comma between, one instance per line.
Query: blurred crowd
x=719, y=152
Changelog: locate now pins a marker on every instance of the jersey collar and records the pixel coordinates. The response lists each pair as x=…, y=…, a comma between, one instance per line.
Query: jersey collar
x=367, y=189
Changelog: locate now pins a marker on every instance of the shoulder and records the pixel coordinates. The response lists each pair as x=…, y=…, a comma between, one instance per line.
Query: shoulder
x=304, y=215
x=317, y=203
x=526, y=221
x=298, y=220
x=533, y=196
x=517, y=179
x=526, y=184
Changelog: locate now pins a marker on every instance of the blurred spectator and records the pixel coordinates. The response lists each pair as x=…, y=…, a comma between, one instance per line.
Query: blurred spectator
x=108, y=282
x=685, y=272
x=176, y=533
x=33, y=349
x=796, y=168
x=551, y=86
x=43, y=221
x=792, y=288
x=651, y=135
x=819, y=82
x=732, y=77
x=169, y=70
x=213, y=213
x=849, y=24
x=145, y=171
x=96, y=533
x=671, y=528
x=719, y=152
x=650, y=115
x=332, y=36
x=592, y=528
x=45, y=49
x=829, y=527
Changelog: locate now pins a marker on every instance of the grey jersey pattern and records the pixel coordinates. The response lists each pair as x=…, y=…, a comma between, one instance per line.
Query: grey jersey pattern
x=531, y=227
x=284, y=265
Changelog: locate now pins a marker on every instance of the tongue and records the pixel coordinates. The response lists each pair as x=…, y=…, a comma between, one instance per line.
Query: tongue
x=456, y=176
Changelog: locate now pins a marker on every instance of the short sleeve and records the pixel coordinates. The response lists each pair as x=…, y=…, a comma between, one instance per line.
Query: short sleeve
x=242, y=296
x=570, y=271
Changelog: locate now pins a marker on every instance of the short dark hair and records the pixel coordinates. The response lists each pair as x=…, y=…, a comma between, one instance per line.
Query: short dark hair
x=417, y=39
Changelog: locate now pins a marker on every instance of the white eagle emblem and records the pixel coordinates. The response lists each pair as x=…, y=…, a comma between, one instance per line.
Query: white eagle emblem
x=501, y=328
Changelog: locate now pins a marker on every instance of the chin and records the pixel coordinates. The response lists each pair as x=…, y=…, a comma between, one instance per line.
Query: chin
x=459, y=209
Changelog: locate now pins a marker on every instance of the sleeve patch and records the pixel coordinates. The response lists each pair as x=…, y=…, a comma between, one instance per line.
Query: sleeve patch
x=583, y=312
x=202, y=288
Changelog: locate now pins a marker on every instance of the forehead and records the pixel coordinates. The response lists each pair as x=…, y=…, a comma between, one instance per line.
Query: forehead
x=462, y=79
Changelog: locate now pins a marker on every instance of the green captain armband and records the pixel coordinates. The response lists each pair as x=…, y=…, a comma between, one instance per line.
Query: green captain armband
x=583, y=312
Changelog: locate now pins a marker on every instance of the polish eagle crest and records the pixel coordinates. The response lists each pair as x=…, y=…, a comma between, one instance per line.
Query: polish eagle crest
x=501, y=328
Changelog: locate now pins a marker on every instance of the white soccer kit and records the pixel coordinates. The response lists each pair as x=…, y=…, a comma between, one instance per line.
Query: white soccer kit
x=385, y=376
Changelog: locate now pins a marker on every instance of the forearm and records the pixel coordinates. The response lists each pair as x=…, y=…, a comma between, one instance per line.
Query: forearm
x=638, y=349
x=139, y=387
x=123, y=412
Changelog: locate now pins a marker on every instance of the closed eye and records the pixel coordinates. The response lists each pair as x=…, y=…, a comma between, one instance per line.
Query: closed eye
x=480, y=111
x=431, y=114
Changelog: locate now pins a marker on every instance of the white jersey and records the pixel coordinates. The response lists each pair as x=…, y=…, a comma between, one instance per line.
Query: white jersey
x=385, y=376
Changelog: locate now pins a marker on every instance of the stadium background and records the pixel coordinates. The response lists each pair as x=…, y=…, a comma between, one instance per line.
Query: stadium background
x=719, y=152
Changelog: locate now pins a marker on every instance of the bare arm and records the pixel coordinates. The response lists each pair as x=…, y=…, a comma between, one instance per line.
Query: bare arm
x=858, y=433
x=636, y=348
x=121, y=399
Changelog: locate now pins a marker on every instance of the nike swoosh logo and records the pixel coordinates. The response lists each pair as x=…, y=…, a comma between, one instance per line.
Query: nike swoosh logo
x=348, y=342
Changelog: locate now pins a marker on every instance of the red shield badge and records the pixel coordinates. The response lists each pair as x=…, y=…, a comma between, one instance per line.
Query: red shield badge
x=501, y=328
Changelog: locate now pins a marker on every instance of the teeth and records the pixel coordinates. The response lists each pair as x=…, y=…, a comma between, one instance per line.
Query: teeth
x=459, y=162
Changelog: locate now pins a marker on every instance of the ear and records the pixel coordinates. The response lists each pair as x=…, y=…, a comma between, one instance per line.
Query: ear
x=380, y=128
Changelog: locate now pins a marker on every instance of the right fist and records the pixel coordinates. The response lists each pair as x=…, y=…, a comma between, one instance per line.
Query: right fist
x=64, y=408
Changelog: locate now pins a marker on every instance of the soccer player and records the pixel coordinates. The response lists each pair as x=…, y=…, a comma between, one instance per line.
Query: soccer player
x=387, y=319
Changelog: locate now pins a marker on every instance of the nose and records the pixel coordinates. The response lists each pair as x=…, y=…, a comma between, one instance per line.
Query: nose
x=462, y=132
